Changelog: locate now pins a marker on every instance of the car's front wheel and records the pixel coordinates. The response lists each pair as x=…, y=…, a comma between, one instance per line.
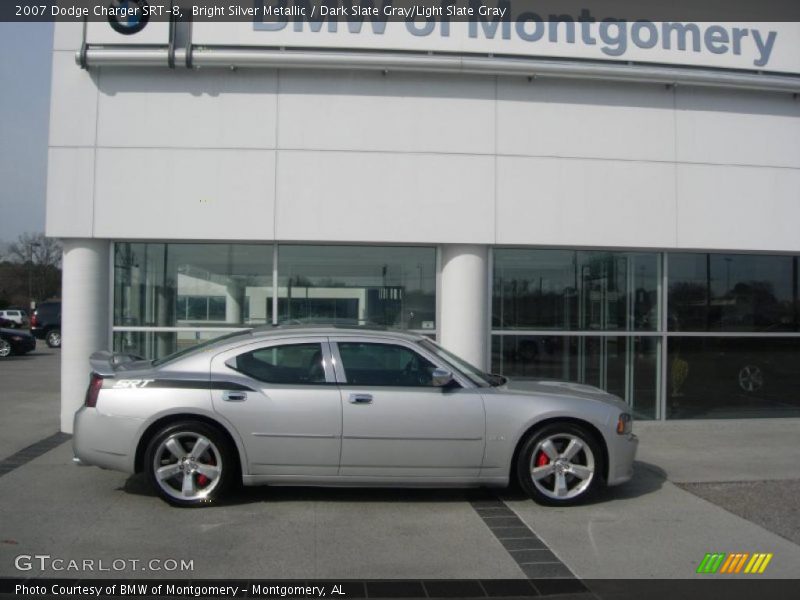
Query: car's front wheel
x=190, y=463
x=5, y=348
x=560, y=464
x=53, y=338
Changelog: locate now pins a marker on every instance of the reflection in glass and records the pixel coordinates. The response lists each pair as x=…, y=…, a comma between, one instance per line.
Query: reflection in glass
x=732, y=292
x=391, y=286
x=575, y=290
x=729, y=377
x=158, y=344
x=624, y=366
x=180, y=285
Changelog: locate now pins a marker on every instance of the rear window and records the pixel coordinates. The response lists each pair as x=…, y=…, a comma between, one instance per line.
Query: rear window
x=292, y=364
x=194, y=349
x=47, y=310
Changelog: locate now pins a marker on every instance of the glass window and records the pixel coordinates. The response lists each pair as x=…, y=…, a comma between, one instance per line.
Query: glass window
x=178, y=285
x=389, y=286
x=575, y=290
x=384, y=365
x=731, y=377
x=160, y=344
x=626, y=366
x=732, y=292
x=292, y=364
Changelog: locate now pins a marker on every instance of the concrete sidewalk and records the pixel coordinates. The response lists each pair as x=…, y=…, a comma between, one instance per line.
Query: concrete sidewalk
x=722, y=450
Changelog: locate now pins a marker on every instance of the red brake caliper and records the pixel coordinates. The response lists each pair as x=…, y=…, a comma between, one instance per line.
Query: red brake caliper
x=542, y=460
x=202, y=480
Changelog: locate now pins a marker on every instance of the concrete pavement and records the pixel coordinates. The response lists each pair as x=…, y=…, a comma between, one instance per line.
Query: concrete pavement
x=29, y=398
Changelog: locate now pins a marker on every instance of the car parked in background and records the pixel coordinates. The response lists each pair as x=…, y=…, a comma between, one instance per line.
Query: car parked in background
x=331, y=406
x=17, y=316
x=14, y=341
x=46, y=323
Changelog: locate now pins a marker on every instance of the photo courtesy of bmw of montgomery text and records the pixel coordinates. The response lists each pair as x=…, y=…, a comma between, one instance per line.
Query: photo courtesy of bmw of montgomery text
x=344, y=406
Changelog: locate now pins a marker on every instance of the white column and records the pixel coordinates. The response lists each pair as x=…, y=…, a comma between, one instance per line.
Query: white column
x=464, y=302
x=234, y=298
x=84, y=318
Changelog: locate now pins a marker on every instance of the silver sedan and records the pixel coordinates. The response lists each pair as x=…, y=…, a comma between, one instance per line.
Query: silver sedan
x=340, y=407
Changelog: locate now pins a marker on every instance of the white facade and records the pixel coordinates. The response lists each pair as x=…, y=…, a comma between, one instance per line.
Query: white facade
x=360, y=156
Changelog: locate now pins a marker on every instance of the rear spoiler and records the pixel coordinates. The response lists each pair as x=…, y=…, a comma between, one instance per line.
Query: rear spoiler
x=105, y=363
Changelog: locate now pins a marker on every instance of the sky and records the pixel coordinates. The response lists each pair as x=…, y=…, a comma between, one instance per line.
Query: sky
x=26, y=52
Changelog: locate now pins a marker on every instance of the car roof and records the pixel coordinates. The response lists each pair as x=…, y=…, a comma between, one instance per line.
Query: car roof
x=268, y=333
x=281, y=331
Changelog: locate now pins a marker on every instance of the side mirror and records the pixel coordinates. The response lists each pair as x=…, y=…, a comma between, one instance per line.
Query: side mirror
x=441, y=377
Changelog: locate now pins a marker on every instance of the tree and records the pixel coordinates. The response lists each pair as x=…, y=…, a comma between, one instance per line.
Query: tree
x=37, y=249
x=32, y=270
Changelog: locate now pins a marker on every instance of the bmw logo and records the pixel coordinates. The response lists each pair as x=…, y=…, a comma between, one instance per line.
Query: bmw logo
x=128, y=16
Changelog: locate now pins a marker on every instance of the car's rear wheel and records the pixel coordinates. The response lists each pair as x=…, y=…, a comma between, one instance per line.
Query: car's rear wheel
x=190, y=463
x=53, y=338
x=5, y=348
x=560, y=464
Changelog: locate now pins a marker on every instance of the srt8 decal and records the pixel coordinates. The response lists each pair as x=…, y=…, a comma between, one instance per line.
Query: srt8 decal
x=131, y=383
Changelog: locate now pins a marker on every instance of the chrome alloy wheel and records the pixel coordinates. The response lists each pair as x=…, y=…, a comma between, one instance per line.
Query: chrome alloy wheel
x=187, y=466
x=54, y=339
x=751, y=378
x=5, y=348
x=562, y=466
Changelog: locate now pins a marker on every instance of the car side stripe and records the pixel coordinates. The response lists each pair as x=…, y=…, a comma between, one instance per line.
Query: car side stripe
x=187, y=384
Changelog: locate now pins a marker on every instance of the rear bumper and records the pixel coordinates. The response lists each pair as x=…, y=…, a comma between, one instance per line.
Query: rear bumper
x=28, y=344
x=105, y=441
x=621, y=454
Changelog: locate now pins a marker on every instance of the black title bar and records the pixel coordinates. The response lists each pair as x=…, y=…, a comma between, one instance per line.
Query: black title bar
x=400, y=10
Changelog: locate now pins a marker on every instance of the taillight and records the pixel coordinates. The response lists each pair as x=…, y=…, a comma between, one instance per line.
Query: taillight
x=34, y=320
x=94, y=390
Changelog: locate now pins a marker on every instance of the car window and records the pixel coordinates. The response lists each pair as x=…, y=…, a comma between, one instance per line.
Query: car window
x=299, y=364
x=384, y=365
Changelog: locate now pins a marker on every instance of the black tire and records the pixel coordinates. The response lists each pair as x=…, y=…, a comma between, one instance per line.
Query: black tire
x=587, y=458
x=220, y=454
x=53, y=338
x=5, y=349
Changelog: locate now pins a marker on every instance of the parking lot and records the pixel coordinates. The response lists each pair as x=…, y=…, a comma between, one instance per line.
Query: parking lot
x=660, y=525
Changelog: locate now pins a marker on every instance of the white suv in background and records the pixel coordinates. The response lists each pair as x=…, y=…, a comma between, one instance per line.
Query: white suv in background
x=18, y=316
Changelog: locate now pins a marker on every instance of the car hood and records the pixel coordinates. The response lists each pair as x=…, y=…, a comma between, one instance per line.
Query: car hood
x=566, y=389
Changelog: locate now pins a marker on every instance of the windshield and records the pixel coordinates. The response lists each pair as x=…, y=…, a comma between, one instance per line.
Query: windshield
x=198, y=348
x=475, y=375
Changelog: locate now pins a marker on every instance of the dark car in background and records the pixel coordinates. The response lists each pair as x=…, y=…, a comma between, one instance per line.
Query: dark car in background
x=14, y=341
x=46, y=323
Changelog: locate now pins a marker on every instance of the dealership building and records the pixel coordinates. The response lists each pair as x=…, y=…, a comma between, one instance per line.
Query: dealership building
x=618, y=206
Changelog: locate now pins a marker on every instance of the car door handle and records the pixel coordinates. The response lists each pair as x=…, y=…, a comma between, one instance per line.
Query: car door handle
x=234, y=396
x=360, y=398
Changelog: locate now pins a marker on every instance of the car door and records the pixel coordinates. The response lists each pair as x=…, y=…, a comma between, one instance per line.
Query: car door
x=282, y=398
x=396, y=424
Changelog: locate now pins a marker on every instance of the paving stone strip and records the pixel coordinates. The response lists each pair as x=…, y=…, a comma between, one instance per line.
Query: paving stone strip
x=546, y=572
x=26, y=455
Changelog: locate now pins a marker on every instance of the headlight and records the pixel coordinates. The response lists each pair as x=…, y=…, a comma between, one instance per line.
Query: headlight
x=624, y=424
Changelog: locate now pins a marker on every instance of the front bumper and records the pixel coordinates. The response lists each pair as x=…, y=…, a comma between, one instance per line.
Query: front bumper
x=621, y=454
x=104, y=440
